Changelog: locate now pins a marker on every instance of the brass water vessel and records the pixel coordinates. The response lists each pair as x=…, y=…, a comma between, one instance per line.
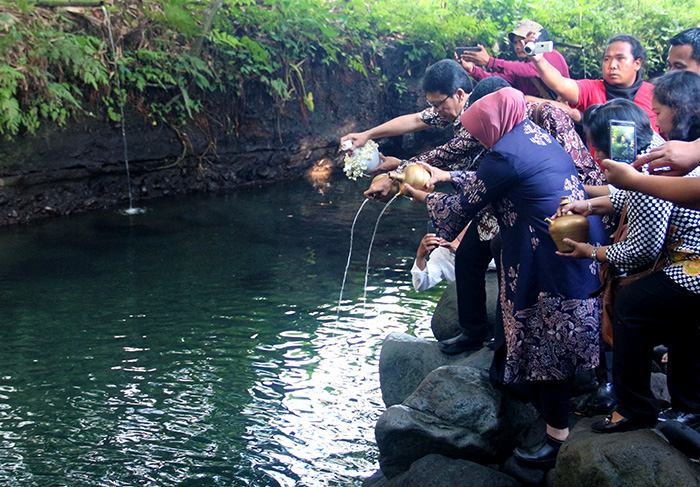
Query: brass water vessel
x=569, y=225
x=415, y=175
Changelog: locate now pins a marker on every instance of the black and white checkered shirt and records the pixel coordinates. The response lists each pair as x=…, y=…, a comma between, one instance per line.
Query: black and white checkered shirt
x=655, y=226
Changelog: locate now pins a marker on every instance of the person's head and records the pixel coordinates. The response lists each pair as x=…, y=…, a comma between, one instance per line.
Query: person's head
x=487, y=86
x=623, y=58
x=494, y=115
x=676, y=102
x=684, y=53
x=518, y=35
x=596, y=124
x=446, y=86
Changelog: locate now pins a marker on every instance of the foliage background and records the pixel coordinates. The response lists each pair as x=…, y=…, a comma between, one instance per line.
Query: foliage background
x=172, y=58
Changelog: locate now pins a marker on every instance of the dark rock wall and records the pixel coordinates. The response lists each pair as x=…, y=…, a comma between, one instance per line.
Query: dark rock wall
x=241, y=140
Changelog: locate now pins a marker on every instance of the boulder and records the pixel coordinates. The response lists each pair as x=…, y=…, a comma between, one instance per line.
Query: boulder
x=441, y=471
x=632, y=459
x=406, y=360
x=482, y=425
x=445, y=321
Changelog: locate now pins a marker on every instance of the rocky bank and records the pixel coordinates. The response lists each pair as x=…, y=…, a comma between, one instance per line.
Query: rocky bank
x=446, y=426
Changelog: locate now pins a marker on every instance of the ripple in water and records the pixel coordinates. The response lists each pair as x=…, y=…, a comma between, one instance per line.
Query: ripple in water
x=202, y=346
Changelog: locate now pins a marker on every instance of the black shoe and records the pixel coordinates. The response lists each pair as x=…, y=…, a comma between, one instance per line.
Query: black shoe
x=604, y=401
x=543, y=457
x=691, y=420
x=460, y=343
x=490, y=343
x=625, y=424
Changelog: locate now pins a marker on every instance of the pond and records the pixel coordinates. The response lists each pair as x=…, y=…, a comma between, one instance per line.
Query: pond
x=200, y=343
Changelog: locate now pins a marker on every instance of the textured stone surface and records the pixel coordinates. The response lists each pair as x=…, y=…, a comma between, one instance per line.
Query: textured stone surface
x=633, y=459
x=456, y=413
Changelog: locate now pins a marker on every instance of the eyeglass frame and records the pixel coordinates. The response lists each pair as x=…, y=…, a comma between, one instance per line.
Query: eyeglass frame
x=437, y=106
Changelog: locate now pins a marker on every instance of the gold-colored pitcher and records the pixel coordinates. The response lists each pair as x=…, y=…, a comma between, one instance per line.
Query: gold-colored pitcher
x=569, y=225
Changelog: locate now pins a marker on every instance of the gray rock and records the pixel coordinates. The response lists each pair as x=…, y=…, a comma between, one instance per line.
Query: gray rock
x=406, y=360
x=632, y=459
x=445, y=321
x=441, y=471
x=454, y=412
x=527, y=476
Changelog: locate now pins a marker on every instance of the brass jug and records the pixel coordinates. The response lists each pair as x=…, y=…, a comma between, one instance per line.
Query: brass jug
x=569, y=225
x=413, y=174
x=392, y=191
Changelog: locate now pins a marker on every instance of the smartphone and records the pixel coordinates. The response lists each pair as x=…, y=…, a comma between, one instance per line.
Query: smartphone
x=623, y=141
x=431, y=227
x=462, y=50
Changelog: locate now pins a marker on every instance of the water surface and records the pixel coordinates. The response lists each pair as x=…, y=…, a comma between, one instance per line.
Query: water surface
x=200, y=343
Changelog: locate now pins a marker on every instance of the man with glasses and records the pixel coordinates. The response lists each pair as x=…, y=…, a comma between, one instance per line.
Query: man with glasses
x=447, y=88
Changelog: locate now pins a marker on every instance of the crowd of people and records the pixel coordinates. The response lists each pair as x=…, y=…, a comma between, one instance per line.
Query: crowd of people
x=526, y=135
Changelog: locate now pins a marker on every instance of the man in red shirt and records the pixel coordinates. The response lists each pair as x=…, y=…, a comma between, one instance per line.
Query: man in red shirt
x=520, y=74
x=623, y=59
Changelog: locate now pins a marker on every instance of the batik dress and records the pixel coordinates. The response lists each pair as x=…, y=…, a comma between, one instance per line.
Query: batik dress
x=550, y=322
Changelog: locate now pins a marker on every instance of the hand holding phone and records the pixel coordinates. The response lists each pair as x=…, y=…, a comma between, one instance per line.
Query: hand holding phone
x=623, y=141
x=462, y=50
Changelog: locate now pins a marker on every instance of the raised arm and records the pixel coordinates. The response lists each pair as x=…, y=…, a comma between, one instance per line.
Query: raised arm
x=679, y=190
x=566, y=88
x=396, y=126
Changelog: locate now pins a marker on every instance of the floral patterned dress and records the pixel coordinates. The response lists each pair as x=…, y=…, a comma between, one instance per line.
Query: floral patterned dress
x=550, y=322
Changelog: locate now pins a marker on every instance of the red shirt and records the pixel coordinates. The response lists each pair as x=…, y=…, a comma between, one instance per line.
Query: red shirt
x=592, y=92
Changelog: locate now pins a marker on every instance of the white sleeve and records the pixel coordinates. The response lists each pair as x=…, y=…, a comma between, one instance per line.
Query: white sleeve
x=440, y=266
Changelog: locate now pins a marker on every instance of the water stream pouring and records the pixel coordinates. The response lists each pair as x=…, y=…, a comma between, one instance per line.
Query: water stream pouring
x=369, y=251
x=131, y=210
x=347, y=265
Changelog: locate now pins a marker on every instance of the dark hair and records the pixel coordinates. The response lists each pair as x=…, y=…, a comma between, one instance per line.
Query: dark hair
x=446, y=76
x=680, y=91
x=636, y=47
x=690, y=37
x=596, y=123
x=486, y=86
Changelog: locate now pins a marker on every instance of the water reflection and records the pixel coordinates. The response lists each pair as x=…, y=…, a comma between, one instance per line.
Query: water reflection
x=201, y=343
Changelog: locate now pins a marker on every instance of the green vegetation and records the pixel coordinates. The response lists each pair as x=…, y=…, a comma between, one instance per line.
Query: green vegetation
x=171, y=54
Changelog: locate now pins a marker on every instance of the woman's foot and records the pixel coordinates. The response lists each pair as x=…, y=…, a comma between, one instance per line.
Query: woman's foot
x=616, y=423
x=544, y=456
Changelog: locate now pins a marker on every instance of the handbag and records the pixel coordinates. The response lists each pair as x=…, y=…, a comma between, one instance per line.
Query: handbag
x=611, y=284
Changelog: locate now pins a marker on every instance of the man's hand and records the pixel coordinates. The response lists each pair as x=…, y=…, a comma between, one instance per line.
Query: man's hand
x=358, y=140
x=429, y=243
x=389, y=163
x=480, y=57
x=674, y=158
x=379, y=188
x=468, y=66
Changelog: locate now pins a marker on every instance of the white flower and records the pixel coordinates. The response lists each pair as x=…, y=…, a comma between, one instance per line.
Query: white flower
x=356, y=163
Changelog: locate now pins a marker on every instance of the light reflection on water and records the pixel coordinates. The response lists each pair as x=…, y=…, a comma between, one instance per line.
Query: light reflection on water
x=200, y=343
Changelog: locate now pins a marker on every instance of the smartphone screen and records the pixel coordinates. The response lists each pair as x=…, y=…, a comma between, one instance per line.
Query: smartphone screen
x=623, y=141
x=431, y=227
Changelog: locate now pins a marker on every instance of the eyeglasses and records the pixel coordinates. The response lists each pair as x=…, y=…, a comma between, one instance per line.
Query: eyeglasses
x=436, y=106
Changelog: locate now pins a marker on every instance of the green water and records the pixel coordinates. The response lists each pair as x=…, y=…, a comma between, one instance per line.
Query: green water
x=200, y=343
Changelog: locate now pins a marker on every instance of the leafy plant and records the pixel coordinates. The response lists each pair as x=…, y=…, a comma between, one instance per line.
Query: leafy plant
x=172, y=54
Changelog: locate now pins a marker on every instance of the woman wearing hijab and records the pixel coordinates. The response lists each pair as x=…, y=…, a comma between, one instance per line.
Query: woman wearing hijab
x=550, y=322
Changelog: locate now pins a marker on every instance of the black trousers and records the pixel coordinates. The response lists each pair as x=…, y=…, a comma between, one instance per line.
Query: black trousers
x=471, y=263
x=650, y=311
x=551, y=398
